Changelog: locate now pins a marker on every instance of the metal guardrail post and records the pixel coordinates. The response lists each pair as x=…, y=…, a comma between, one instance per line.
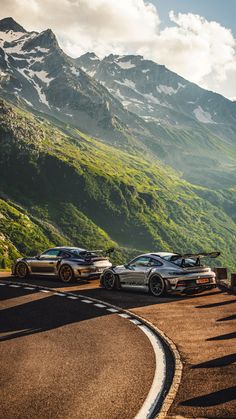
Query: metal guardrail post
x=233, y=282
x=221, y=274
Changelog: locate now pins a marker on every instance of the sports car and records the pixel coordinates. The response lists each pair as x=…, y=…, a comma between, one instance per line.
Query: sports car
x=65, y=263
x=162, y=273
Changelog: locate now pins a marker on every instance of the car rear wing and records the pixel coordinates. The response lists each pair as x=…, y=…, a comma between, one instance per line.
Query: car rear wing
x=89, y=254
x=211, y=255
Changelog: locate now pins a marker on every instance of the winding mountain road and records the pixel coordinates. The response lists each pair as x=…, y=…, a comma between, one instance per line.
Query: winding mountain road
x=107, y=362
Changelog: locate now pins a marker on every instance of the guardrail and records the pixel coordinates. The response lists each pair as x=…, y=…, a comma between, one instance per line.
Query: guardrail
x=223, y=280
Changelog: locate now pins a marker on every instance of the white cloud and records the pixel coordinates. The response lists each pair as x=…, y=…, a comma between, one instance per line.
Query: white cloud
x=199, y=50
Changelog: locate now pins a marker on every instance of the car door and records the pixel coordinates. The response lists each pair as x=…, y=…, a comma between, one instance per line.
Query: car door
x=45, y=264
x=136, y=271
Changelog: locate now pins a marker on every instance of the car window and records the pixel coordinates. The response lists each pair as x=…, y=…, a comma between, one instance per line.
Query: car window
x=50, y=253
x=154, y=262
x=64, y=255
x=141, y=261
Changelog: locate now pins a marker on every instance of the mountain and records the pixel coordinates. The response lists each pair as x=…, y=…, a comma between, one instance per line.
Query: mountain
x=57, y=187
x=194, y=127
x=89, y=150
x=128, y=102
x=36, y=73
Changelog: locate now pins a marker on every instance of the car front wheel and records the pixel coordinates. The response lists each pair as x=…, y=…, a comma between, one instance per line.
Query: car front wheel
x=66, y=273
x=22, y=270
x=157, y=286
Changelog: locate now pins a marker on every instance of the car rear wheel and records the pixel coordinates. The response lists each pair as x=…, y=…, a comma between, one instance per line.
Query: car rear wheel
x=157, y=286
x=22, y=270
x=66, y=274
x=109, y=281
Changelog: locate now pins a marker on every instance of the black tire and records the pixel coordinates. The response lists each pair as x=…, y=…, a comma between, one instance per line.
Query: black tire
x=157, y=286
x=66, y=274
x=21, y=270
x=109, y=280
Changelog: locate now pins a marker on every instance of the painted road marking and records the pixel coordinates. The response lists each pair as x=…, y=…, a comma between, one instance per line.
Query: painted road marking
x=135, y=321
x=100, y=305
x=14, y=286
x=29, y=288
x=72, y=298
x=112, y=310
x=156, y=389
x=87, y=301
x=44, y=291
x=3, y=285
x=59, y=294
x=125, y=316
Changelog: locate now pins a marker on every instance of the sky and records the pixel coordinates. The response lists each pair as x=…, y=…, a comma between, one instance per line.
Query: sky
x=194, y=38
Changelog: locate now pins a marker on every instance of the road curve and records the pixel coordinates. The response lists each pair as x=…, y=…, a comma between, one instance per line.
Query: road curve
x=65, y=357
x=203, y=328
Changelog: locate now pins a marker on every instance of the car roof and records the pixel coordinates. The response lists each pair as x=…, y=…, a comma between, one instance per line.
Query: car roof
x=159, y=254
x=68, y=248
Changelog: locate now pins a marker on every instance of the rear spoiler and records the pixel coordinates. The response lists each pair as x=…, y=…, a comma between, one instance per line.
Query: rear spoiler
x=200, y=255
x=89, y=253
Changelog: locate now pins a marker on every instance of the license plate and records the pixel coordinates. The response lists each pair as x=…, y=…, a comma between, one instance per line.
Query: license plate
x=202, y=281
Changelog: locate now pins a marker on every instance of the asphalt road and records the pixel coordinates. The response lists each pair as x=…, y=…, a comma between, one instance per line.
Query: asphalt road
x=62, y=358
x=203, y=328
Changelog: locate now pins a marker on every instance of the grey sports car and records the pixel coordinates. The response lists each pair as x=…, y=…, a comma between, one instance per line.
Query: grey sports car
x=66, y=263
x=162, y=273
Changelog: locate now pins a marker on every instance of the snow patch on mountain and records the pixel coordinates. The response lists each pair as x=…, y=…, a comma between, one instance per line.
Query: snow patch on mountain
x=75, y=71
x=125, y=65
x=169, y=90
x=203, y=116
x=9, y=36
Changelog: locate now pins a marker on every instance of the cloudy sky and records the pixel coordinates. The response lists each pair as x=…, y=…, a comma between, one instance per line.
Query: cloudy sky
x=194, y=38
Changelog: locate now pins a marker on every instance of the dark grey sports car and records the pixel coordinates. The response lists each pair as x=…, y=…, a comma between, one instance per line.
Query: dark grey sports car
x=162, y=273
x=66, y=263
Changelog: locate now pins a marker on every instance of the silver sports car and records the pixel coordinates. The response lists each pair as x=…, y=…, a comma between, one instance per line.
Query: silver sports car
x=66, y=263
x=162, y=273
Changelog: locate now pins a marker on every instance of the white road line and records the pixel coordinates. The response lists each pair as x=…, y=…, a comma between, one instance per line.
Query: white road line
x=44, y=291
x=112, y=310
x=59, y=294
x=137, y=322
x=100, y=305
x=125, y=316
x=87, y=301
x=3, y=285
x=14, y=286
x=29, y=288
x=72, y=298
x=156, y=389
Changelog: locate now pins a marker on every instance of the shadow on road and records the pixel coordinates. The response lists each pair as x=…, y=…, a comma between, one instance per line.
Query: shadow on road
x=223, y=337
x=212, y=399
x=46, y=313
x=217, y=362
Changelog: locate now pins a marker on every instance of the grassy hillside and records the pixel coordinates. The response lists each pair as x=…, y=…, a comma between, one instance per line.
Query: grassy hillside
x=97, y=195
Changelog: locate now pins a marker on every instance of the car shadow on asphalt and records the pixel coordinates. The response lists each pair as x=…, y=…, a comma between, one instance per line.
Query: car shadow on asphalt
x=125, y=298
x=212, y=399
x=43, y=314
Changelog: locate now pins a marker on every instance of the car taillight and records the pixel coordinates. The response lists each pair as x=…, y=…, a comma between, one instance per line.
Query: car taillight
x=180, y=284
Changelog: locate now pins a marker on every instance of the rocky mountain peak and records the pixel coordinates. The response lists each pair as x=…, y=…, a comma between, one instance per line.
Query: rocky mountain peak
x=45, y=39
x=9, y=24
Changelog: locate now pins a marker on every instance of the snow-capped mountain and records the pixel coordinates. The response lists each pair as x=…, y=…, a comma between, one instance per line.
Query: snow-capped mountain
x=36, y=72
x=156, y=93
x=128, y=101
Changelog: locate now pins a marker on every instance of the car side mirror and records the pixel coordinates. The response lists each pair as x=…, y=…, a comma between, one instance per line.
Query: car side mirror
x=37, y=256
x=127, y=266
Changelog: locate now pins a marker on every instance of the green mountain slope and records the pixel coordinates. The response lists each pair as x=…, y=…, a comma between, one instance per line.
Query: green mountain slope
x=99, y=195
